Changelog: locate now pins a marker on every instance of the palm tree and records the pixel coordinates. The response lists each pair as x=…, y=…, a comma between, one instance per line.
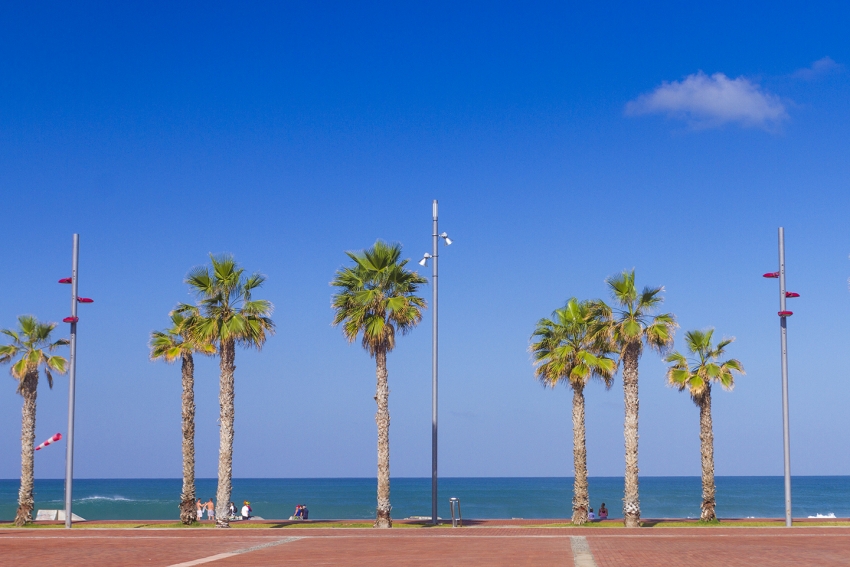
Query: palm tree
x=376, y=300
x=31, y=343
x=169, y=345
x=630, y=325
x=565, y=349
x=696, y=376
x=227, y=315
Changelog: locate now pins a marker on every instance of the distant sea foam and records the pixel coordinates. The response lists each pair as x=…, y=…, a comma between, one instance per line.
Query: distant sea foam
x=353, y=498
x=112, y=498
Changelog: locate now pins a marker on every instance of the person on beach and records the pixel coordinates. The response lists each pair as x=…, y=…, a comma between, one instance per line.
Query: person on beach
x=603, y=512
x=305, y=513
x=297, y=514
x=246, y=510
x=211, y=510
x=201, y=509
x=591, y=515
x=231, y=510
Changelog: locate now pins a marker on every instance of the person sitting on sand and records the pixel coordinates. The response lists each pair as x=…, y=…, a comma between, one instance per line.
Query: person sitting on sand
x=591, y=515
x=305, y=513
x=603, y=512
x=211, y=510
x=246, y=510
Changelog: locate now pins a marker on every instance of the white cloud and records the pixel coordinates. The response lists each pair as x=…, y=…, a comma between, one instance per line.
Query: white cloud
x=817, y=69
x=710, y=101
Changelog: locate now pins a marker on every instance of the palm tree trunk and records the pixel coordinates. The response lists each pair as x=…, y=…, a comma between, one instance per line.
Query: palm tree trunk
x=188, y=509
x=581, y=499
x=29, y=387
x=706, y=441
x=226, y=396
x=631, y=501
x=382, y=418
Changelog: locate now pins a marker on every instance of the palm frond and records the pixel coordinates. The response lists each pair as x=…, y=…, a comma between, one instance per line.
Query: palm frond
x=11, y=333
x=19, y=369
x=622, y=287
x=7, y=352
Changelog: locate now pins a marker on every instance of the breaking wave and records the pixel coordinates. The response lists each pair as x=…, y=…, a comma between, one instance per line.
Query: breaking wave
x=109, y=498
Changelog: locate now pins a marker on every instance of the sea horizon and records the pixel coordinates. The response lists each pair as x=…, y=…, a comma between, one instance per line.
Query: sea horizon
x=740, y=496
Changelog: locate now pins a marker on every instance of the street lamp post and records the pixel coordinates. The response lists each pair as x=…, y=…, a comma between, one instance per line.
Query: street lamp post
x=434, y=348
x=73, y=319
x=783, y=320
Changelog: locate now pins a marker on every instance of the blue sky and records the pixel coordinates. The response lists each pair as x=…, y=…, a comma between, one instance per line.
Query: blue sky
x=565, y=142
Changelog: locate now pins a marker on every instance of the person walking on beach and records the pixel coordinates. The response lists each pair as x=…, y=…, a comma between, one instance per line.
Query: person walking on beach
x=211, y=510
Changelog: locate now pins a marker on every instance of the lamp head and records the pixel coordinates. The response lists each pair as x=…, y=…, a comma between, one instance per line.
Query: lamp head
x=424, y=260
x=445, y=237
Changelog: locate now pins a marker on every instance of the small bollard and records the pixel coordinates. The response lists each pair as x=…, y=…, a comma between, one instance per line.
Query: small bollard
x=457, y=519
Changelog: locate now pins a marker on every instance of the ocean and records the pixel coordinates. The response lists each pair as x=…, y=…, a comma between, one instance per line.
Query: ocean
x=352, y=498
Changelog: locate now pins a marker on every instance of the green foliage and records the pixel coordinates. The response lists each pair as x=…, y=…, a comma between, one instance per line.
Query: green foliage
x=565, y=348
x=226, y=310
x=176, y=341
x=631, y=320
x=377, y=297
x=31, y=342
x=697, y=374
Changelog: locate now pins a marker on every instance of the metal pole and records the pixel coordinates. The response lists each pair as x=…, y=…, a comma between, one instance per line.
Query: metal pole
x=436, y=238
x=69, y=446
x=784, y=334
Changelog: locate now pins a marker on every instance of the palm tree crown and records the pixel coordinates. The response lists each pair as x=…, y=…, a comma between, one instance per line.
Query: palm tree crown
x=377, y=298
x=227, y=313
x=564, y=348
x=697, y=374
x=632, y=322
x=173, y=343
x=32, y=343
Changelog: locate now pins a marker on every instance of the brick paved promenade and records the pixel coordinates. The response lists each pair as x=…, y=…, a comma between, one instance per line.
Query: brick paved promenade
x=470, y=546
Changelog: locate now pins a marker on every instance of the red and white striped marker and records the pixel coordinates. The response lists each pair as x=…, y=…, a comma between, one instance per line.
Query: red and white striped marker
x=53, y=439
